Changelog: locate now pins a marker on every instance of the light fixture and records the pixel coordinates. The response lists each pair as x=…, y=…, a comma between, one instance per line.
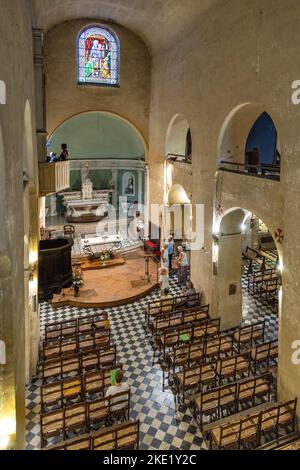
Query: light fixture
x=7, y=429
x=31, y=277
x=2, y=353
x=243, y=228
x=33, y=257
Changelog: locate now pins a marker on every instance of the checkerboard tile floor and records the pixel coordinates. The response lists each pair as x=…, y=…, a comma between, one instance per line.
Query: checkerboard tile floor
x=163, y=425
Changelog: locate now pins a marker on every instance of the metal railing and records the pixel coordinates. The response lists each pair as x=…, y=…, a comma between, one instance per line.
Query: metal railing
x=261, y=170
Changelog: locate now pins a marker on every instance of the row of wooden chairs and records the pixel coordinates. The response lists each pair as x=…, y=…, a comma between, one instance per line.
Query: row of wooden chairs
x=194, y=379
x=250, y=429
x=65, y=346
x=257, y=278
x=254, y=257
x=175, y=319
x=228, y=398
x=84, y=416
x=185, y=334
x=249, y=334
x=82, y=324
x=75, y=364
x=81, y=387
x=161, y=306
x=119, y=437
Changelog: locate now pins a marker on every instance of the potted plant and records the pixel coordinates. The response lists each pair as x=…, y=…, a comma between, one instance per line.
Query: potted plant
x=77, y=282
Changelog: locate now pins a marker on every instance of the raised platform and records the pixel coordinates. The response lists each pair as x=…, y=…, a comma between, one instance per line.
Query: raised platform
x=118, y=285
x=87, y=265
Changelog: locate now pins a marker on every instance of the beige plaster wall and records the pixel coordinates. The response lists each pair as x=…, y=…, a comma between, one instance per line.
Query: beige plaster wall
x=65, y=98
x=17, y=71
x=241, y=52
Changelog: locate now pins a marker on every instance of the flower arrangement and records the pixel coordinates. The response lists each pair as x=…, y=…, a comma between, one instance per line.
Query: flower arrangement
x=105, y=255
x=77, y=281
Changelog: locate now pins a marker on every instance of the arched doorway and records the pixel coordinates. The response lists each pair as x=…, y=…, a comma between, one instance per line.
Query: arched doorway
x=178, y=181
x=248, y=142
x=248, y=271
x=110, y=152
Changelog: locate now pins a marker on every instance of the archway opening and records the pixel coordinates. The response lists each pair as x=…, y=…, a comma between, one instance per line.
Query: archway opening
x=248, y=271
x=108, y=177
x=248, y=143
x=178, y=181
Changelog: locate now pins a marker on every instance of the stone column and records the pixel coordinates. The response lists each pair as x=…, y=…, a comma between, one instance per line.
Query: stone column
x=228, y=280
x=140, y=186
x=114, y=174
x=40, y=93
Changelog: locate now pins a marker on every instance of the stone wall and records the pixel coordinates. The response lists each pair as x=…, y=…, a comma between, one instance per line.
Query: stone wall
x=240, y=52
x=65, y=98
x=17, y=72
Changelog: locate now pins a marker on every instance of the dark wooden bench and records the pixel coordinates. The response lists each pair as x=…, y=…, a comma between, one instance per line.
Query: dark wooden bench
x=65, y=366
x=84, y=324
x=230, y=397
x=192, y=380
x=82, y=386
x=118, y=437
x=257, y=278
x=264, y=354
x=250, y=429
x=249, y=334
x=74, y=345
x=161, y=306
x=254, y=257
x=84, y=416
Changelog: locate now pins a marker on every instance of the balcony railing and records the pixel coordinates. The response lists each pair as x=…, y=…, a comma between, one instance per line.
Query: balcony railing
x=54, y=177
x=261, y=170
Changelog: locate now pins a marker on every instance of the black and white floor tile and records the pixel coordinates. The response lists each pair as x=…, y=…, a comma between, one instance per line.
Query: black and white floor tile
x=163, y=425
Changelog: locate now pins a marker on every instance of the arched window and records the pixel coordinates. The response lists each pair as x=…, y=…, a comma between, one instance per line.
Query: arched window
x=98, y=56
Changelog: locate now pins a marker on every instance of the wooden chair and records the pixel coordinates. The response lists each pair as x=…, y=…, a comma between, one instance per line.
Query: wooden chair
x=61, y=367
x=69, y=231
x=62, y=392
x=253, y=388
x=214, y=402
x=264, y=354
x=99, y=358
x=228, y=368
x=248, y=335
x=120, y=437
x=193, y=380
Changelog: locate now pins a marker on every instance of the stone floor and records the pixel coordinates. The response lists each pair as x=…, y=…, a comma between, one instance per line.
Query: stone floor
x=163, y=425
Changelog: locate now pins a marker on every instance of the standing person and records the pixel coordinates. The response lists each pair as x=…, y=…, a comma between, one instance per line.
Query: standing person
x=163, y=278
x=65, y=153
x=182, y=266
x=164, y=256
x=253, y=160
x=170, y=251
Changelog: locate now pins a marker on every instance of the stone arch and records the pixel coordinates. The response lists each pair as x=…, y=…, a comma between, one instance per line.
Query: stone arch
x=234, y=133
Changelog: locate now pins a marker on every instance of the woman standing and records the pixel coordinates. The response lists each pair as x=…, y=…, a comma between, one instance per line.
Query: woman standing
x=182, y=265
x=163, y=278
x=165, y=256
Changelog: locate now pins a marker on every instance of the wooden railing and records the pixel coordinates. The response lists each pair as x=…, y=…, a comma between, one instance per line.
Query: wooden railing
x=54, y=177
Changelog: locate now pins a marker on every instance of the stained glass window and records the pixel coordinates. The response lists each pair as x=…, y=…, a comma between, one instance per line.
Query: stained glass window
x=98, y=57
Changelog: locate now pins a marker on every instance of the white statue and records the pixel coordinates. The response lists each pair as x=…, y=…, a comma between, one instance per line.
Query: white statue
x=85, y=173
x=87, y=189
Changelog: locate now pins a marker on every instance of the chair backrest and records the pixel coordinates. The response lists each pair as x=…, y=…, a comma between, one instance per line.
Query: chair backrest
x=69, y=231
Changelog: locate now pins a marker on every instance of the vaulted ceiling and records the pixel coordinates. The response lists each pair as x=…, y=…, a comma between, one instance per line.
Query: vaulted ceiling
x=157, y=22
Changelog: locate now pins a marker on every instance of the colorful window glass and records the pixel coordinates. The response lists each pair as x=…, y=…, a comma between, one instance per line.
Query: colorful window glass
x=98, y=57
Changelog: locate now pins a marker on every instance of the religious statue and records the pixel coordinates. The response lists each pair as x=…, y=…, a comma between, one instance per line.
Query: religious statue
x=84, y=173
x=87, y=189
